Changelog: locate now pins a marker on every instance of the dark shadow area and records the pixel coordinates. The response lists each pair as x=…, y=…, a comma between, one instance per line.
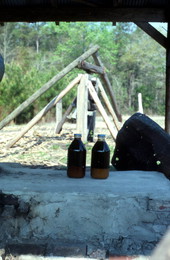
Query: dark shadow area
x=142, y=144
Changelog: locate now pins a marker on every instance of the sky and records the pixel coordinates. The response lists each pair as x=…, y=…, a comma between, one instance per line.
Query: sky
x=162, y=27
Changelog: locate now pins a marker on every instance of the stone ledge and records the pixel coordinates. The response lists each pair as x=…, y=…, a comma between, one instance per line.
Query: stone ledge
x=126, y=214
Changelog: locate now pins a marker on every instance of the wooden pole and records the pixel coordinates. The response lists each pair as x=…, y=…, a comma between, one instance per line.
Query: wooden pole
x=140, y=105
x=82, y=97
x=90, y=68
x=167, y=101
x=58, y=112
x=106, y=82
x=107, y=102
x=48, y=85
x=101, y=109
x=51, y=104
x=68, y=111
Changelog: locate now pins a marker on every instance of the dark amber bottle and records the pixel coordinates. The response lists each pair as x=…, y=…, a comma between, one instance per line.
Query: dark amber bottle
x=100, y=161
x=76, y=159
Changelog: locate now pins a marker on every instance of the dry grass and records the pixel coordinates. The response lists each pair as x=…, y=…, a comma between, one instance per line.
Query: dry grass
x=42, y=147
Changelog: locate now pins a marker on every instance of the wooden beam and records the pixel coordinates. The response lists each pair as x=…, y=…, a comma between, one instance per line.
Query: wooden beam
x=44, y=111
x=67, y=112
x=48, y=85
x=155, y=34
x=108, y=104
x=101, y=109
x=108, y=86
x=87, y=13
x=167, y=96
x=59, y=109
x=82, y=98
x=90, y=68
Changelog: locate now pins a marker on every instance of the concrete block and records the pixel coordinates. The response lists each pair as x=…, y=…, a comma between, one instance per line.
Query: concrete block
x=25, y=249
x=124, y=214
x=8, y=212
x=66, y=250
x=96, y=253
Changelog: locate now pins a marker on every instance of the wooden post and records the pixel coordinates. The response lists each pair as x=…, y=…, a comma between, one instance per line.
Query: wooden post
x=167, y=101
x=47, y=86
x=52, y=103
x=107, y=102
x=82, y=97
x=68, y=111
x=58, y=112
x=106, y=82
x=101, y=109
x=140, y=106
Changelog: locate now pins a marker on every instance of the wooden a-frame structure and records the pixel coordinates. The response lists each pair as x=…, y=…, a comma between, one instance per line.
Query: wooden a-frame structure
x=142, y=13
x=84, y=83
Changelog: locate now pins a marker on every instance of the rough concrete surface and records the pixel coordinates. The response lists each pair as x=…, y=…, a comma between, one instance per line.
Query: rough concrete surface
x=126, y=214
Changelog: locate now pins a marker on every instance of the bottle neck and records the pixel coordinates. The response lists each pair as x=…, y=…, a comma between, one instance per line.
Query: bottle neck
x=77, y=136
x=101, y=137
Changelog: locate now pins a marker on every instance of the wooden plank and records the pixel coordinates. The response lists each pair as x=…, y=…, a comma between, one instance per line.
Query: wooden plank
x=48, y=85
x=101, y=110
x=51, y=104
x=68, y=111
x=82, y=97
x=108, y=104
x=108, y=86
x=167, y=96
x=151, y=31
x=74, y=14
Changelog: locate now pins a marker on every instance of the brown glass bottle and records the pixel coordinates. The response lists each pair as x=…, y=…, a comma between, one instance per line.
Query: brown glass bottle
x=100, y=160
x=76, y=159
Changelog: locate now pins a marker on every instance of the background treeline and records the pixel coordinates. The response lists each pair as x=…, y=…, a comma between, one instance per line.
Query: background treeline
x=35, y=52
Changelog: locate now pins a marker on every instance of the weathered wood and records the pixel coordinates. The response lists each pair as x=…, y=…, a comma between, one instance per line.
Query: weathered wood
x=101, y=110
x=90, y=68
x=140, y=105
x=47, y=86
x=68, y=111
x=141, y=144
x=167, y=101
x=107, y=102
x=108, y=86
x=82, y=96
x=51, y=104
x=74, y=14
x=59, y=107
x=155, y=34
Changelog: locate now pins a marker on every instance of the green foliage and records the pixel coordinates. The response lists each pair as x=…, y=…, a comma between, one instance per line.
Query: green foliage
x=34, y=53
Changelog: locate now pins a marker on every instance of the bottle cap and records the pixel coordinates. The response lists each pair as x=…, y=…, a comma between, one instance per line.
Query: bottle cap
x=77, y=135
x=101, y=136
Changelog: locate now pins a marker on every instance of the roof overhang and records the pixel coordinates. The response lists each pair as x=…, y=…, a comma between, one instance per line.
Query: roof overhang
x=82, y=13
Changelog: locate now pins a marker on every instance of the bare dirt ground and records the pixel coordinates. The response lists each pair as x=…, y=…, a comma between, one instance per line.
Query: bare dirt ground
x=41, y=147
